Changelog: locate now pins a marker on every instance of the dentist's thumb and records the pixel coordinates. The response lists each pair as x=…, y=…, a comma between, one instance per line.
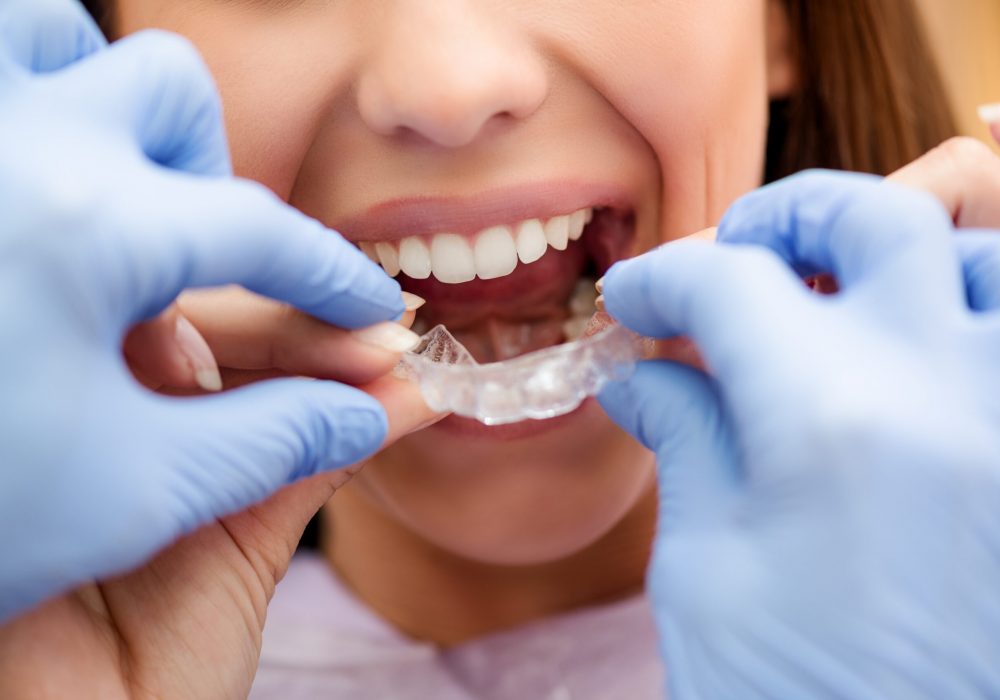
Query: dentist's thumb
x=232, y=450
x=677, y=412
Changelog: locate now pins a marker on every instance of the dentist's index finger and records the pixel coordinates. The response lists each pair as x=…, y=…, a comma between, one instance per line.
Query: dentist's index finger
x=42, y=36
x=864, y=230
x=191, y=232
x=191, y=224
x=740, y=305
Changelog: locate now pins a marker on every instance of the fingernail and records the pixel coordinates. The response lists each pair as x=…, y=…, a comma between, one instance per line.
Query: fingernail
x=990, y=113
x=388, y=336
x=198, y=354
x=599, y=285
x=429, y=422
x=412, y=301
x=599, y=302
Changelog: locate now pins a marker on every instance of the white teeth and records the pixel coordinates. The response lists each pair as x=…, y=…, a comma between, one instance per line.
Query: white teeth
x=415, y=258
x=389, y=257
x=577, y=220
x=531, y=243
x=451, y=259
x=495, y=253
x=574, y=327
x=584, y=296
x=557, y=232
x=581, y=308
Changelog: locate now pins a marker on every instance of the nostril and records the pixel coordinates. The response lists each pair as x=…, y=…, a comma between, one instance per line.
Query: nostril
x=442, y=120
x=448, y=94
x=397, y=110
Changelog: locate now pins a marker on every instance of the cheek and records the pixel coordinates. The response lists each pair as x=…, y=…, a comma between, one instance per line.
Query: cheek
x=696, y=89
x=276, y=72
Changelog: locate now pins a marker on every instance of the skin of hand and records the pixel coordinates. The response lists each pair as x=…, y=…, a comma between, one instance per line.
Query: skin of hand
x=828, y=488
x=80, y=120
x=964, y=174
x=251, y=338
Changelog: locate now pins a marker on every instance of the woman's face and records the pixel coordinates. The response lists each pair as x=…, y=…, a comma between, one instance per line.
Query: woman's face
x=389, y=119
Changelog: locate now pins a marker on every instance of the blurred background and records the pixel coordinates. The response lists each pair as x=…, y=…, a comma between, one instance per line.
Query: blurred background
x=966, y=35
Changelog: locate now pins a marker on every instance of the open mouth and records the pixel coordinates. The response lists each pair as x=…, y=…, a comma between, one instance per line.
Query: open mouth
x=507, y=289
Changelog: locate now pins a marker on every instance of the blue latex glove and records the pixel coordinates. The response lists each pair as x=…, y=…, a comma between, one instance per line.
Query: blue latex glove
x=830, y=496
x=116, y=194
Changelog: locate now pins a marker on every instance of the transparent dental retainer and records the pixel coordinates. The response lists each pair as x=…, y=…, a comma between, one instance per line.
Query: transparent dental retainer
x=539, y=385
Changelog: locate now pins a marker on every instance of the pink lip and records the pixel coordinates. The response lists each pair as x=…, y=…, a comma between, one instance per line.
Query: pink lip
x=419, y=216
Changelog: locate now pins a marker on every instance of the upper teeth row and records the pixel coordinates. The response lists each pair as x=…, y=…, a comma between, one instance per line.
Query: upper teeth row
x=491, y=253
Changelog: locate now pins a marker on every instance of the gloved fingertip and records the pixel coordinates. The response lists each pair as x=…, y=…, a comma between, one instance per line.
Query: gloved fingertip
x=610, y=396
x=372, y=296
x=360, y=431
x=635, y=297
x=618, y=402
x=614, y=274
x=389, y=295
x=613, y=287
x=726, y=224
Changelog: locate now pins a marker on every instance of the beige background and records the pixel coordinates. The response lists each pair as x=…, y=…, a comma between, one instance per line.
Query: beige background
x=966, y=35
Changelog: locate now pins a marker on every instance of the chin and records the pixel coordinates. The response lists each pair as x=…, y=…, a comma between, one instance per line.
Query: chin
x=521, y=501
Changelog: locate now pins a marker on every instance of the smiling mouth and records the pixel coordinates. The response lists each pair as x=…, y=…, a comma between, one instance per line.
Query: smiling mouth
x=489, y=254
x=506, y=289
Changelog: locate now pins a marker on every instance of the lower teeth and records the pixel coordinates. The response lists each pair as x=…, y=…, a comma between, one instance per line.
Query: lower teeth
x=581, y=308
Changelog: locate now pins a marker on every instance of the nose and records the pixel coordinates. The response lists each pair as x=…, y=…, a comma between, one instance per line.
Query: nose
x=444, y=70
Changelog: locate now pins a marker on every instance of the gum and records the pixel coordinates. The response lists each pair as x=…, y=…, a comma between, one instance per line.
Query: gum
x=539, y=385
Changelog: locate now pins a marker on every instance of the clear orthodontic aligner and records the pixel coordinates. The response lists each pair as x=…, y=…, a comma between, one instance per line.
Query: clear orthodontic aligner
x=539, y=385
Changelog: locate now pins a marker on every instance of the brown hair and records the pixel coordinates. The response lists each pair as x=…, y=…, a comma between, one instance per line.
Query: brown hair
x=870, y=97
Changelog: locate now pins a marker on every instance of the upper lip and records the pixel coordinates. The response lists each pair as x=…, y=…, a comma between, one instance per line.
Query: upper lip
x=420, y=216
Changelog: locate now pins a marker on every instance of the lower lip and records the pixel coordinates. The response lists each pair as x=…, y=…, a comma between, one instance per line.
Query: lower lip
x=469, y=428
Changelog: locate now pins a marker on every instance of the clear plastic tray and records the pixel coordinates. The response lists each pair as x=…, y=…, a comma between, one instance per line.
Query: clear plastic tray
x=538, y=385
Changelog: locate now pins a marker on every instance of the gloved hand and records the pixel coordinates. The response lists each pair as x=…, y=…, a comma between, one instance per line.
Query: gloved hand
x=115, y=194
x=830, y=491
